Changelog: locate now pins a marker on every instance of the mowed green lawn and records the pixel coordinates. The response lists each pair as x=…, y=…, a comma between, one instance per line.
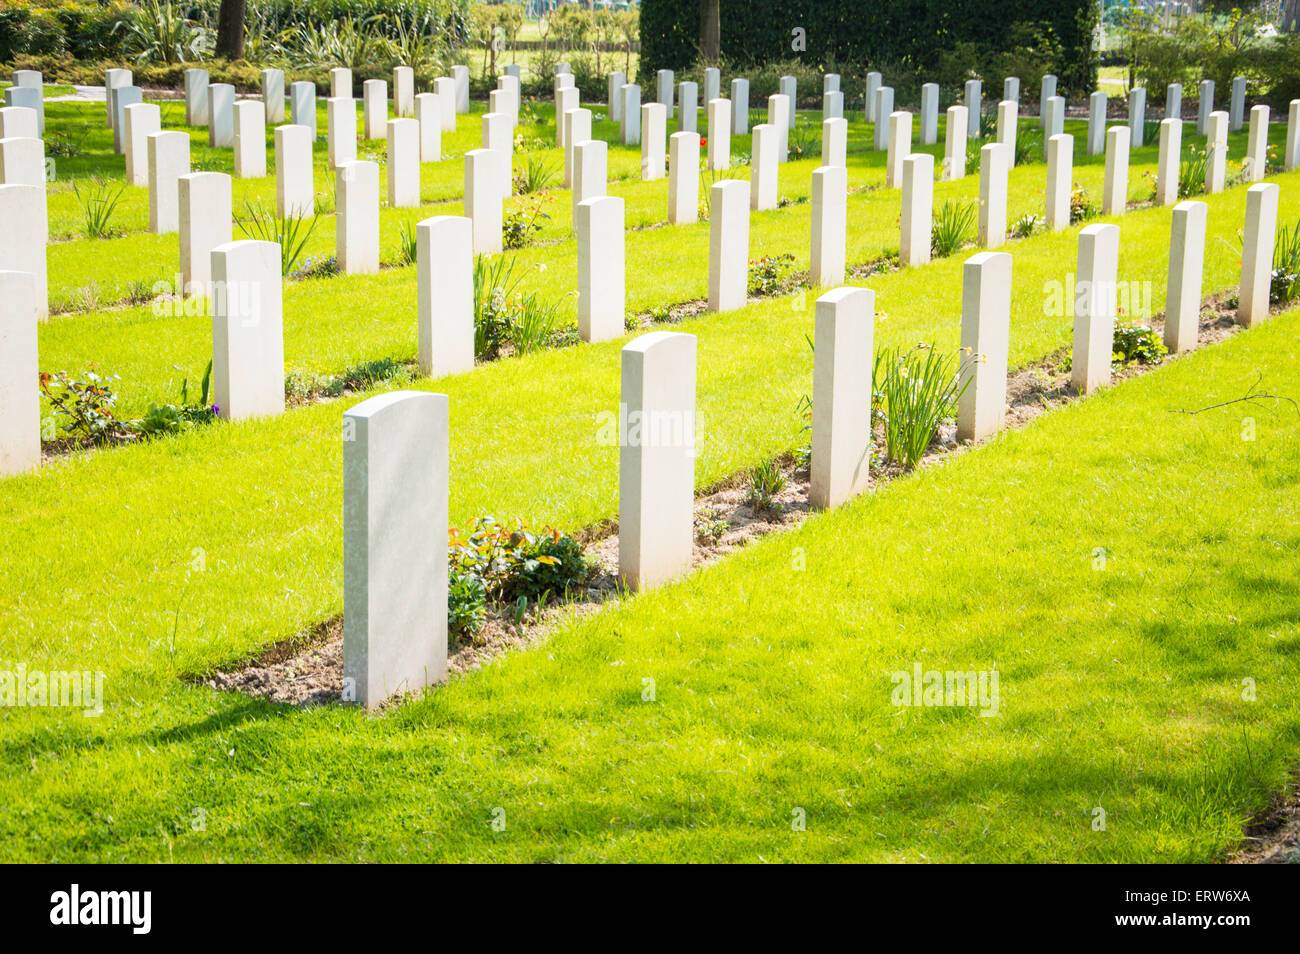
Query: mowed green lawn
x=1121, y=681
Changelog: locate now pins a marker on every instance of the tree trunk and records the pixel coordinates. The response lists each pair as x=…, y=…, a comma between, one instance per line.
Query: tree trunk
x=230, y=30
x=711, y=30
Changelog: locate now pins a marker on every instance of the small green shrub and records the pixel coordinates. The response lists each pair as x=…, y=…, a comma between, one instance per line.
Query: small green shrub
x=765, y=482
x=406, y=244
x=1285, y=285
x=1136, y=344
x=87, y=405
x=769, y=274
x=919, y=389
x=525, y=220
x=1082, y=207
x=98, y=203
x=534, y=177
x=177, y=418
x=1191, y=173
x=1026, y=225
x=954, y=226
x=265, y=225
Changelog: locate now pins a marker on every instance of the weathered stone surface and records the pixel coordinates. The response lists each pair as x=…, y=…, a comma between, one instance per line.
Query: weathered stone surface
x=396, y=453
x=656, y=468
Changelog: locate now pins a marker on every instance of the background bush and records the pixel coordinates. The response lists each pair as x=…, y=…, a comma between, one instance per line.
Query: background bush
x=914, y=37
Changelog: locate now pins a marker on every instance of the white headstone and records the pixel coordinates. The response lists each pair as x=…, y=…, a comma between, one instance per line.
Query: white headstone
x=884, y=108
x=140, y=121
x=654, y=131
x=19, y=122
x=835, y=142
x=929, y=114
x=302, y=106
x=1096, y=290
x=273, y=95
x=1097, y=123
x=112, y=79
x=656, y=464
x=688, y=96
x=25, y=97
x=247, y=330
x=1137, y=116
x=995, y=165
x=873, y=84
x=20, y=403
x=590, y=172
x=1011, y=90
x=778, y=117
x=763, y=169
x=918, y=209
x=121, y=97
x=900, y=146
x=577, y=128
x=341, y=83
x=843, y=347
x=1170, y=158
x=1237, y=105
x=616, y=82
x=221, y=115
x=739, y=106
x=1046, y=92
x=22, y=162
x=498, y=135
x=250, y=139
x=205, y=207
x=460, y=79
x=829, y=201
x=1186, y=271
x=712, y=83
x=404, y=163
x=1174, y=101
x=395, y=491
x=444, y=261
x=1055, y=120
x=664, y=90
x=832, y=105
x=601, y=296
x=404, y=91
x=719, y=149
x=728, y=244
x=429, y=115
x=1204, y=107
x=566, y=99
x=985, y=343
x=974, y=103
x=374, y=109
x=1008, y=123
x=23, y=239
x=1060, y=170
x=1252, y=170
x=1114, y=190
x=1257, y=253
x=295, y=177
x=1216, y=148
x=684, y=179
x=169, y=159
x=1291, y=155
x=483, y=199
x=340, y=130
x=356, y=193
x=629, y=127
x=954, y=144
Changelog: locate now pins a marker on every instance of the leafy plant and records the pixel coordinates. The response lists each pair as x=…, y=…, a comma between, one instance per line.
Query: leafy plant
x=919, y=389
x=175, y=418
x=525, y=220
x=1191, y=173
x=710, y=526
x=1026, y=225
x=1081, y=205
x=97, y=206
x=1285, y=285
x=286, y=231
x=765, y=482
x=489, y=560
x=406, y=244
x=534, y=324
x=87, y=404
x=495, y=284
x=158, y=31
x=534, y=177
x=768, y=275
x=954, y=226
x=1136, y=344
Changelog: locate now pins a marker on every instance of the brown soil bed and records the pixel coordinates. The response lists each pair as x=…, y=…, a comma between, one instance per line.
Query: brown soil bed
x=1273, y=838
